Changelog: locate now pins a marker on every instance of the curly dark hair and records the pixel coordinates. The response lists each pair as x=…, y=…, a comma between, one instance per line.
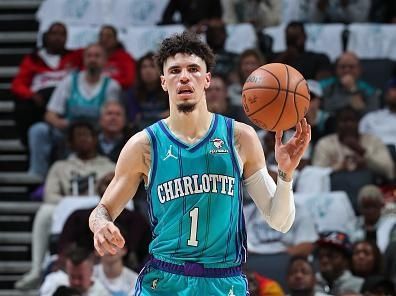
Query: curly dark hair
x=185, y=42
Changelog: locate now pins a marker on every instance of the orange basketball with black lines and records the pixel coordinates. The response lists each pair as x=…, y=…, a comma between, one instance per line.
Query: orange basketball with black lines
x=275, y=97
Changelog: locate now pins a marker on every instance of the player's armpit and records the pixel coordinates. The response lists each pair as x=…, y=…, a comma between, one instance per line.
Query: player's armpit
x=132, y=167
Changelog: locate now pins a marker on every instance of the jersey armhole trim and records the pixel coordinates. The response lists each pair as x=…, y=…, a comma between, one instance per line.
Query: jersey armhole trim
x=234, y=153
x=153, y=163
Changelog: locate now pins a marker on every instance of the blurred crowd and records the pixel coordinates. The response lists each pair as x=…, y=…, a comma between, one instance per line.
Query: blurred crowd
x=76, y=109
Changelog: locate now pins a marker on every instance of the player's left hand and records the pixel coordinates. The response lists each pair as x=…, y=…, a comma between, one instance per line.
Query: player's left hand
x=288, y=155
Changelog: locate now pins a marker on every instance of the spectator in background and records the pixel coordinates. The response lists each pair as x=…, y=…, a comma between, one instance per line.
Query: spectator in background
x=382, y=123
x=390, y=262
x=270, y=250
x=262, y=286
x=120, y=65
x=78, y=275
x=218, y=101
x=147, y=102
x=366, y=259
x=260, y=13
x=339, y=11
x=39, y=73
x=111, y=272
x=311, y=65
x=63, y=178
x=137, y=232
x=334, y=255
x=378, y=286
x=113, y=130
x=225, y=61
x=382, y=11
x=301, y=277
x=249, y=60
x=369, y=224
x=194, y=14
x=348, y=150
x=79, y=96
x=347, y=89
x=316, y=117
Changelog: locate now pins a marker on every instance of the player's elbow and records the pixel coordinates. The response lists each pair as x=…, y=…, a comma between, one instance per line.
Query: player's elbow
x=283, y=224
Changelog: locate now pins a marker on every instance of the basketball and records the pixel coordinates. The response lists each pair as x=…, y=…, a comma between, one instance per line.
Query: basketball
x=275, y=97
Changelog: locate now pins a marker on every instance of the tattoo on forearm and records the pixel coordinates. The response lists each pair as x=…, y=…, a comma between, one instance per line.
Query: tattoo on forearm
x=284, y=176
x=99, y=217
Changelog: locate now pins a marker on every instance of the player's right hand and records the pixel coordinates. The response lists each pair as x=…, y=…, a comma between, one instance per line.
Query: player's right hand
x=107, y=239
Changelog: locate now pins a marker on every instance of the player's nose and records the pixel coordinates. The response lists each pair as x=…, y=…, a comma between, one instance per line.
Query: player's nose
x=184, y=75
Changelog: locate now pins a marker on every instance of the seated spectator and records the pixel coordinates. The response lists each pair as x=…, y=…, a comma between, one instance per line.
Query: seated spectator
x=66, y=291
x=78, y=97
x=137, y=232
x=115, y=277
x=382, y=123
x=262, y=286
x=366, y=259
x=77, y=275
x=270, y=250
x=39, y=73
x=382, y=11
x=260, y=14
x=315, y=116
x=218, y=101
x=194, y=15
x=349, y=150
x=249, y=60
x=120, y=65
x=334, y=255
x=64, y=177
x=347, y=89
x=370, y=205
x=312, y=65
x=390, y=262
x=113, y=130
x=339, y=11
x=378, y=286
x=301, y=277
x=225, y=61
x=147, y=102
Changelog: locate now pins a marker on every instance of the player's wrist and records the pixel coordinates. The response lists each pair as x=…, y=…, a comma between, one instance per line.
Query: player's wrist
x=284, y=175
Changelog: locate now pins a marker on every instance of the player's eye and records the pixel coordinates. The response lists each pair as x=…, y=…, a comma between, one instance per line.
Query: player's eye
x=174, y=71
x=194, y=69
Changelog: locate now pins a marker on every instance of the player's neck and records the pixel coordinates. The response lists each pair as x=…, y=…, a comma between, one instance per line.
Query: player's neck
x=190, y=126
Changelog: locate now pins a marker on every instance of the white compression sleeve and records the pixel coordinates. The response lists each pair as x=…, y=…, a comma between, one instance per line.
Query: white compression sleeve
x=276, y=202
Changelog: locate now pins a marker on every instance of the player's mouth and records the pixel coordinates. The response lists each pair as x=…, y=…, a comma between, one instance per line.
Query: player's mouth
x=185, y=91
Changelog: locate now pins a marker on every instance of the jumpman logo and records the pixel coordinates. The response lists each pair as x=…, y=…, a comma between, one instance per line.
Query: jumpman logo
x=169, y=154
x=231, y=292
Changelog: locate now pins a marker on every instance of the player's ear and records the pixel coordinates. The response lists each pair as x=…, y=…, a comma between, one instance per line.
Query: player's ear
x=163, y=83
x=208, y=77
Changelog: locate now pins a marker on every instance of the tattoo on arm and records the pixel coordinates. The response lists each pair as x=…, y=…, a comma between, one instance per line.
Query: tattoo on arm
x=99, y=217
x=284, y=176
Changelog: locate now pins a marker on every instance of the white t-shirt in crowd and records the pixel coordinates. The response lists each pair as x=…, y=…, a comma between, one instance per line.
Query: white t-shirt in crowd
x=263, y=239
x=380, y=123
x=120, y=286
x=60, y=278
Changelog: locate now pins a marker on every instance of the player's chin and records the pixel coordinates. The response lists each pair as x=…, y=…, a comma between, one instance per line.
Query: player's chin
x=186, y=107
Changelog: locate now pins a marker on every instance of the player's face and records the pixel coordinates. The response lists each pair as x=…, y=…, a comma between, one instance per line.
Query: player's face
x=185, y=79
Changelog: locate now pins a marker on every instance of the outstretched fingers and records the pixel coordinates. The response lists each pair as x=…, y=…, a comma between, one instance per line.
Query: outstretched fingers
x=278, y=138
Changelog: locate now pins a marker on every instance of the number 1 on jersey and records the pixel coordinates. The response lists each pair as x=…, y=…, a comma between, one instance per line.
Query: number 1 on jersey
x=194, y=225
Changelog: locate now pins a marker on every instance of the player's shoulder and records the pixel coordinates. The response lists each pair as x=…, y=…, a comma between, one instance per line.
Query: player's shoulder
x=137, y=143
x=244, y=129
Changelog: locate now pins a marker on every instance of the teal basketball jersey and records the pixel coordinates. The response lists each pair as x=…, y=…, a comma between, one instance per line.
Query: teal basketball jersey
x=195, y=197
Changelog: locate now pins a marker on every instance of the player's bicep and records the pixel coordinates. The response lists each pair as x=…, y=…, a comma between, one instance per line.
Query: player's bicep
x=129, y=173
x=250, y=149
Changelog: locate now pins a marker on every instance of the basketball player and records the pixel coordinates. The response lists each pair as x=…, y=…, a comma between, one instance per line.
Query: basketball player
x=194, y=164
